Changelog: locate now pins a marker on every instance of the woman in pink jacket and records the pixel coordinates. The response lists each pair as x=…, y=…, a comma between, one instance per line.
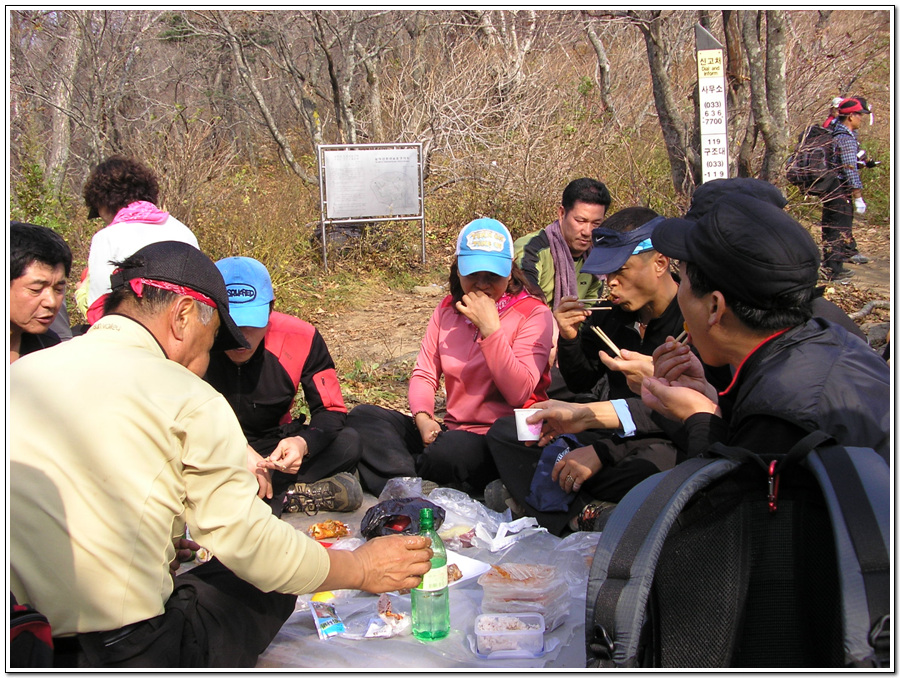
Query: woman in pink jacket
x=490, y=339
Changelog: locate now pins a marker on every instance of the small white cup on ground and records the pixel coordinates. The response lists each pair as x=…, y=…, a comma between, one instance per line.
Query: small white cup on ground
x=524, y=430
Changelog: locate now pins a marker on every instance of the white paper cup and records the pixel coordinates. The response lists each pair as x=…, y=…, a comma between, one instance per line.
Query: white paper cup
x=527, y=431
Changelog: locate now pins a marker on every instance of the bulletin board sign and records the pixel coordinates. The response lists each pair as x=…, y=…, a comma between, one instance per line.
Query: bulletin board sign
x=371, y=183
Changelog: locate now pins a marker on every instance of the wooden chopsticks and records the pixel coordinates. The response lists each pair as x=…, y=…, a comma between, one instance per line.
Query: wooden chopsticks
x=606, y=340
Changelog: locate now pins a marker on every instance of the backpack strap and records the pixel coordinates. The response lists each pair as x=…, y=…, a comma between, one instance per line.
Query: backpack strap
x=856, y=485
x=626, y=556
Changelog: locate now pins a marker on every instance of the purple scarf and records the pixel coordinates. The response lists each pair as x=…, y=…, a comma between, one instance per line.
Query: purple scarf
x=565, y=281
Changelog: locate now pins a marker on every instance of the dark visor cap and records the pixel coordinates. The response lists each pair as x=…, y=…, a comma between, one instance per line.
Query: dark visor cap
x=182, y=264
x=611, y=249
x=750, y=249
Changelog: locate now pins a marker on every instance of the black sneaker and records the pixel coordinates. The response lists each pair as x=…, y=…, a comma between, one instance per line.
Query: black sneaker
x=341, y=492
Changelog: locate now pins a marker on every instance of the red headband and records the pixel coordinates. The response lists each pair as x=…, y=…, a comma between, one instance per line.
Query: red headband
x=137, y=285
x=850, y=106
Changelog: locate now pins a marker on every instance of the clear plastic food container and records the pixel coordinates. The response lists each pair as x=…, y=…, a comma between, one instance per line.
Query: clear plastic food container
x=509, y=635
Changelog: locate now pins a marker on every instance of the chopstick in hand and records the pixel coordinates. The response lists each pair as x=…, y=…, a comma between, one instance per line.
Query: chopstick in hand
x=606, y=340
x=681, y=337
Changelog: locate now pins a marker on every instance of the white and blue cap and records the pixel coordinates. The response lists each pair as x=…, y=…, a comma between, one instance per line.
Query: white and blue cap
x=249, y=290
x=613, y=248
x=484, y=245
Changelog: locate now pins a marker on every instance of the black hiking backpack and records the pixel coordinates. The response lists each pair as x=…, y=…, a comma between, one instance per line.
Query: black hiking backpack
x=741, y=561
x=815, y=164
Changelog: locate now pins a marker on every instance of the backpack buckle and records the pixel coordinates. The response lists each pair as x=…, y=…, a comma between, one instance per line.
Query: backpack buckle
x=773, y=488
x=602, y=645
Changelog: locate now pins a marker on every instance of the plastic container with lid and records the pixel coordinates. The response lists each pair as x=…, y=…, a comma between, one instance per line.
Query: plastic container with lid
x=520, y=588
x=509, y=635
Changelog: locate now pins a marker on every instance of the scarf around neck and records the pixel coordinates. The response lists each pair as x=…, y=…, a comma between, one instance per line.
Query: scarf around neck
x=565, y=280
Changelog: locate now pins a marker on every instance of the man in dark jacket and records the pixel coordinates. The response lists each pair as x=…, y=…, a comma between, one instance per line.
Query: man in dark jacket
x=641, y=313
x=299, y=466
x=748, y=276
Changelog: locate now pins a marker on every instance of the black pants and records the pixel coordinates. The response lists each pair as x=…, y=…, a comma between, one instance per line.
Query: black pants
x=516, y=464
x=392, y=447
x=213, y=619
x=838, y=244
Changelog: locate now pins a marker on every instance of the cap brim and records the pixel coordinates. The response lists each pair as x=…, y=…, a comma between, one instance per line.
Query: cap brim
x=605, y=260
x=473, y=263
x=245, y=315
x=670, y=238
x=229, y=336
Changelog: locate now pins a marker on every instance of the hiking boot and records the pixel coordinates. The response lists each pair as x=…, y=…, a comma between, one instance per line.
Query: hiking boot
x=497, y=498
x=593, y=517
x=839, y=275
x=858, y=259
x=341, y=492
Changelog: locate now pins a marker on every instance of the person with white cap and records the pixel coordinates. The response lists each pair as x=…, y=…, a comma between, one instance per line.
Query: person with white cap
x=490, y=340
x=127, y=448
x=833, y=112
x=300, y=466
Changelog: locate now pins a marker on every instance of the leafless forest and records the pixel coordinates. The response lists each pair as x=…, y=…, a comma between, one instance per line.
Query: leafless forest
x=228, y=106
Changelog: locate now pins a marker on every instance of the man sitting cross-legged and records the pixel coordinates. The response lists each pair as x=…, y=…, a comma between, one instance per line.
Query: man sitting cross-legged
x=299, y=466
x=641, y=313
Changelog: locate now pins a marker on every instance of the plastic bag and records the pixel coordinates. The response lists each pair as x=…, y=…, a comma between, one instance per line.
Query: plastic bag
x=546, y=494
x=398, y=516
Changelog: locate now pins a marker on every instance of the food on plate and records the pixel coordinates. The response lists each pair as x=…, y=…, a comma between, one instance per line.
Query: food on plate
x=328, y=529
x=385, y=609
x=453, y=572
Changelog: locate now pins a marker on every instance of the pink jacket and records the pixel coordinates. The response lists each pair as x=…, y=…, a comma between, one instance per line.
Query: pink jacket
x=484, y=378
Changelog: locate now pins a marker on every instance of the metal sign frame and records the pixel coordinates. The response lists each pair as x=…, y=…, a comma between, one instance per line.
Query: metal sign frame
x=324, y=191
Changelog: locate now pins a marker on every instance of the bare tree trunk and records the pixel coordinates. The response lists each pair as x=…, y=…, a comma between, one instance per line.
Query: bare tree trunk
x=371, y=65
x=738, y=79
x=685, y=163
x=247, y=77
x=603, y=80
x=61, y=103
x=297, y=86
x=776, y=94
x=773, y=134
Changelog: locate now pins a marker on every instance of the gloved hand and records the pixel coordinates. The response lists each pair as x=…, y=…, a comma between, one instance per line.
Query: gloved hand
x=860, y=206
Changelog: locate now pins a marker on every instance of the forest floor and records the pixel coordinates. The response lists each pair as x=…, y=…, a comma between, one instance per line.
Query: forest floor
x=374, y=343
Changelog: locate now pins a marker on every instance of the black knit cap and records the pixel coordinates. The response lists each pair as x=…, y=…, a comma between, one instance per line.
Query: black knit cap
x=182, y=264
x=749, y=249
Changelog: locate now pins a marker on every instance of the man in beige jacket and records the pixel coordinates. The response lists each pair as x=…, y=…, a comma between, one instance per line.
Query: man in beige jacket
x=129, y=445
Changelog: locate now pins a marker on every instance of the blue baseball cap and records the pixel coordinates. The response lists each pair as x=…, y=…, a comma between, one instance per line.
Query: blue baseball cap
x=611, y=249
x=484, y=245
x=249, y=290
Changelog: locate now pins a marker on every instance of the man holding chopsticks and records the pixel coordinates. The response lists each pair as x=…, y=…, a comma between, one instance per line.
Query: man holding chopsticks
x=641, y=313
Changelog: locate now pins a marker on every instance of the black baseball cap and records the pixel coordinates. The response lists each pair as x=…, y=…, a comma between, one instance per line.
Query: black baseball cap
x=707, y=194
x=750, y=249
x=181, y=264
x=611, y=249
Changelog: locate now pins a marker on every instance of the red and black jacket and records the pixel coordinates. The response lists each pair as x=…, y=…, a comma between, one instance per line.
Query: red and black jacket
x=262, y=390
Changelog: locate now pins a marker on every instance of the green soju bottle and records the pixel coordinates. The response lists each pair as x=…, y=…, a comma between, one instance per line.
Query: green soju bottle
x=430, y=600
